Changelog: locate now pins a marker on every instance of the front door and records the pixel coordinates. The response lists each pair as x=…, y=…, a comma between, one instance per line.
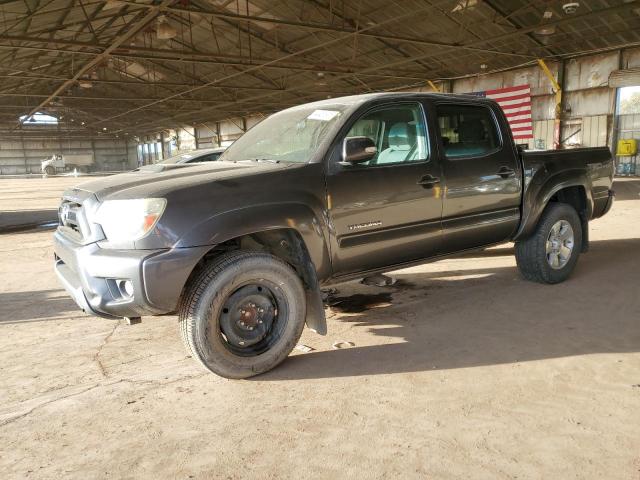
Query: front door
x=483, y=177
x=386, y=211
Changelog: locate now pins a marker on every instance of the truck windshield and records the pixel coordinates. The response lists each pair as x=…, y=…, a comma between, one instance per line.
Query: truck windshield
x=292, y=135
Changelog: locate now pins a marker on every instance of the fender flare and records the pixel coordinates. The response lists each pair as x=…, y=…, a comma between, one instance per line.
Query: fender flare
x=537, y=197
x=311, y=232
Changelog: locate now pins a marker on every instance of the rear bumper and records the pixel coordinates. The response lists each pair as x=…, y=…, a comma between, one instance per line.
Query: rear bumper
x=91, y=274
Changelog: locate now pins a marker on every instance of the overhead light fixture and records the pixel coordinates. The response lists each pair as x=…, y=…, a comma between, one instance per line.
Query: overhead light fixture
x=164, y=30
x=545, y=30
x=571, y=7
x=483, y=66
x=81, y=123
x=104, y=128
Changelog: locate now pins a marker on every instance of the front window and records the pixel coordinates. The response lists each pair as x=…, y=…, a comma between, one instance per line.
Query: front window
x=292, y=135
x=398, y=132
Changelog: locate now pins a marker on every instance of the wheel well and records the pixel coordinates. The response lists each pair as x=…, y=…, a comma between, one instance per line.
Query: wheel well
x=574, y=196
x=284, y=243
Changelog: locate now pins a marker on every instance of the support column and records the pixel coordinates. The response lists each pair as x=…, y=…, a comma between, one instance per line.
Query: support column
x=615, y=121
x=165, y=147
x=557, y=90
x=24, y=154
x=95, y=155
x=434, y=87
x=126, y=149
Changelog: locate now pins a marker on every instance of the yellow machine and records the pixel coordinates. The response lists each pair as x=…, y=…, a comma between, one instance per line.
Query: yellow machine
x=627, y=147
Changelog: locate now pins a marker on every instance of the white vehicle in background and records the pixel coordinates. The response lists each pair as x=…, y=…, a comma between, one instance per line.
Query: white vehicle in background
x=58, y=163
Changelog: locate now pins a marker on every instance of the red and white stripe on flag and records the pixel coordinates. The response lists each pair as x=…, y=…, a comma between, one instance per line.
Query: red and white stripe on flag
x=516, y=104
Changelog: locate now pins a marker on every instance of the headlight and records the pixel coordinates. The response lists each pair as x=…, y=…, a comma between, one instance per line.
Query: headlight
x=127, y=220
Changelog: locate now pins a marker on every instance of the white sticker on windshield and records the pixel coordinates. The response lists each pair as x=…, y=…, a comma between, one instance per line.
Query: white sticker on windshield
x=323, y=115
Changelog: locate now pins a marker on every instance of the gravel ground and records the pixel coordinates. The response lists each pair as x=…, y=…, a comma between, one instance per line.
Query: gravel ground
x=461, y=370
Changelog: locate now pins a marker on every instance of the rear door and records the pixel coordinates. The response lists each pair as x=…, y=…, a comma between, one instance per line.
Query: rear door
x=386, y=211
x=483, y=176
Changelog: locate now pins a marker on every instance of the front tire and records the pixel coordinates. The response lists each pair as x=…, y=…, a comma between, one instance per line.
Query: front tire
x=551, y=253
x=49, y=171
x=243, y=314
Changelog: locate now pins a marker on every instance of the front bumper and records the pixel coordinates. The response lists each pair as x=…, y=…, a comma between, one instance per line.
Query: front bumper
x=90, y=274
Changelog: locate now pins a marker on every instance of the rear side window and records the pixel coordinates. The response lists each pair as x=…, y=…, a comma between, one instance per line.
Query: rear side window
x=467, y=130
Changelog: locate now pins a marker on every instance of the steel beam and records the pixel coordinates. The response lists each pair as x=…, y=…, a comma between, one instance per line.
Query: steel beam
x=119, y=40
x=332, y=28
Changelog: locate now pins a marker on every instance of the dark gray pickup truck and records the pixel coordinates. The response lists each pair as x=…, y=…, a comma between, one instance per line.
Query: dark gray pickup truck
x=318, y=194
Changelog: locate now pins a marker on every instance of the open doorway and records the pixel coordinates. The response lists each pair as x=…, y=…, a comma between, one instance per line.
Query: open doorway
x=627, y=133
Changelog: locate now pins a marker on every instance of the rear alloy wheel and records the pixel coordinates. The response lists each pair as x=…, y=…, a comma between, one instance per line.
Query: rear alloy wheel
x=243, y=314
x=551, y=253
x=560, y=243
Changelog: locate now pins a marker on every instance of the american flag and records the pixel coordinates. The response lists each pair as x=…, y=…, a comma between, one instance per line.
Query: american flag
x=516, y=104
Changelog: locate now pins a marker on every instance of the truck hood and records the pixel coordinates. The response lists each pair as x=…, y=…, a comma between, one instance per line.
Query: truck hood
x=158, y=179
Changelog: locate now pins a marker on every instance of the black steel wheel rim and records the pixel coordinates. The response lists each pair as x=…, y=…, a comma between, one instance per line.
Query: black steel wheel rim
x=252, y=318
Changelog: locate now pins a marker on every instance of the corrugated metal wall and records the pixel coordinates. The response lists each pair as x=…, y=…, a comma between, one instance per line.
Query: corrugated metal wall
x=589, y=103
x=229, y=130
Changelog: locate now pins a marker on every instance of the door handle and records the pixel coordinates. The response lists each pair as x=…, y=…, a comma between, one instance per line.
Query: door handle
x=506, y=172
x=428, y=181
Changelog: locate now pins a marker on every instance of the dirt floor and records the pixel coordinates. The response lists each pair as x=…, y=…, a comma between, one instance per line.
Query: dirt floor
x=462, y=370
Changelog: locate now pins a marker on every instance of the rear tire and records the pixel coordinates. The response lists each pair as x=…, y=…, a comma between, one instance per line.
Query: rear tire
x=550, y=254
x=50, y=171
x=243, y=314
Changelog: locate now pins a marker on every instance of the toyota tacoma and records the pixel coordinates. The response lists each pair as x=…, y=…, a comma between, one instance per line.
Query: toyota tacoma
x=318, y=194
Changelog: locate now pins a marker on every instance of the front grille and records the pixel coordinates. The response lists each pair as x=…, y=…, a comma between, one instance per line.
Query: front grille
x=68, y=215
x=74, y=217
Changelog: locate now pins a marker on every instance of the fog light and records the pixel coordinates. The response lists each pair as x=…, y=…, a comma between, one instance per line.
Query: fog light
x=126, y=288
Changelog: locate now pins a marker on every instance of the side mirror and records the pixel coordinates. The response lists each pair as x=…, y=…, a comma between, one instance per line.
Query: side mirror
x=357, y=150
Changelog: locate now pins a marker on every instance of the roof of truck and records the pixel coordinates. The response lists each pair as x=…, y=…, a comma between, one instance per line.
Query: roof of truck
x=359, y=99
